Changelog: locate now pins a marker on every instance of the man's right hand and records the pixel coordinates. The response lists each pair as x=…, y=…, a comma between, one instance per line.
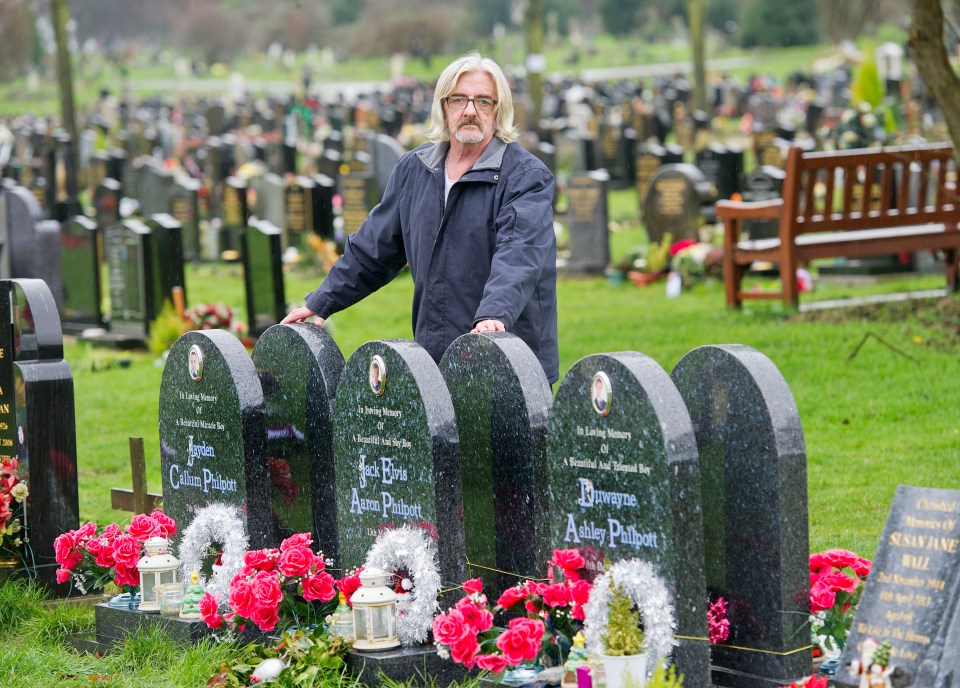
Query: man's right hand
x=301, y=315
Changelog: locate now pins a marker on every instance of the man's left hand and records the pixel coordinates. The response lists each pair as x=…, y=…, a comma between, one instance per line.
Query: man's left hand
x=488, y=326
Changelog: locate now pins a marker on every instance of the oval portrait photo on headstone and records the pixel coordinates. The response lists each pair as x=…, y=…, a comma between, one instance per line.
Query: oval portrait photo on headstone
x=378, y=375
x=601, y=393
x=195, y=363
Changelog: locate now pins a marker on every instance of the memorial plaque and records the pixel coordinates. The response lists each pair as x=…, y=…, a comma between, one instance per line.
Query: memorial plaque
x=213, y=433
x=185, y=209
x=587, y=224
x=299, y=368
x=754, y=496
x=502, y=402
x=675, y=202
x=298, y=200
x=355, y=187
x=236, y=213
x=624, y=482
x=396, y=456
x=80, y=270
x=37, y=420
x=263, y=276
x=648, y=161
x=912, y=593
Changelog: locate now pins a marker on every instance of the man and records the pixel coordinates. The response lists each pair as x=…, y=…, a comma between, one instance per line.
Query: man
x=471, y=214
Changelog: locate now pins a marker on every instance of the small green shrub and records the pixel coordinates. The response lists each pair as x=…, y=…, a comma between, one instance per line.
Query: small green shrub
x=624, y=635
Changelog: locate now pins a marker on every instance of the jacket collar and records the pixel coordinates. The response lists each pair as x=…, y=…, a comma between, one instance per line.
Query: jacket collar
x=491, y=158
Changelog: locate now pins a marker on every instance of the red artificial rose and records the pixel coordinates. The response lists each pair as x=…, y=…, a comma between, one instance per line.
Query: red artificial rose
x=839, y=581
x=821, y=598
x=210, y=611
x=142, y=528
x=265, y=618
x=450, y=628
x=557, y=595
x=521, y=641
x=266, y=590
x=111, y=532
x=568, y=560
x=580, y=592
x=295, y=562
x=465, y=651
x=474, y=586
x=241, y=598
x=318, y=587
x=87, y=530
x=862, y=566
x=840, y=558
x=261, y=559
x=298, y=540
x=477, y=618
x=511, y=596
x=64, y=552
x=349, y=585
x=63, y=575
x=126, y=551
x=492, y=663
x=166, y=524
x=124, y=575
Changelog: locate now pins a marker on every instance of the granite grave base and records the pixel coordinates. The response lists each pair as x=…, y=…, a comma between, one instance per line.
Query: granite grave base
x=722, y=677
x=113, y=624
x=418, y=665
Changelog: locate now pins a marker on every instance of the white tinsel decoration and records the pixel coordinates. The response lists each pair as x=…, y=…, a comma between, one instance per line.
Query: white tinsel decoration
x=410, y=549
x=639, y=581
x=217, y=523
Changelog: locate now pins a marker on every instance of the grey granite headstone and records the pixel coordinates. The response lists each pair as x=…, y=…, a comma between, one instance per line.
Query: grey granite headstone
x=396, y=453
x=912, y=595
x=753, y=467
x=675, y=201
x=213, y=433
x=37, y=420
x=763, y=184
x=589, y=237
x=299, y=367
x=270, y=200
x=47, y=257
x=502, y=401
x=23, y=214
x=80, y=268
x=185, y=209
x=387, y=151
x=156, y=184
x=624, y=482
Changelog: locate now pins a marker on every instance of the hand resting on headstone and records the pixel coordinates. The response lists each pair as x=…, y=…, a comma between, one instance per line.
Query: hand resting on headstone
x=301, y=315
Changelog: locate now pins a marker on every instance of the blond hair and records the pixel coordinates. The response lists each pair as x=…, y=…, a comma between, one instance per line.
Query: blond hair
x=503, y=127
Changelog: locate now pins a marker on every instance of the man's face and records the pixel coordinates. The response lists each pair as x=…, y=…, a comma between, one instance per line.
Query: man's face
x=470, y=125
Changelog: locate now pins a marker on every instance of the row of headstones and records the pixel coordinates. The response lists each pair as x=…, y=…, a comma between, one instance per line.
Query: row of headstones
x=702, y=472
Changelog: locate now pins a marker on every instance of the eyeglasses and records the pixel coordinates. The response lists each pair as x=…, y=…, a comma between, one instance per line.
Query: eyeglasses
x=483, y=104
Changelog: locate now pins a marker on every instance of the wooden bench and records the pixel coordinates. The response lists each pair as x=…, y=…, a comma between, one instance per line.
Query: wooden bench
x=829, y=209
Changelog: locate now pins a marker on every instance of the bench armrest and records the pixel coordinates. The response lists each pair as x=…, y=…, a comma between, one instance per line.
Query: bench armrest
x=750, y=210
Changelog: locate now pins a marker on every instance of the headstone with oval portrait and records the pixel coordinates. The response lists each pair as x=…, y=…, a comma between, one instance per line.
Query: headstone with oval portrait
x=213, y=433
x=396, y=453
x=624, y=482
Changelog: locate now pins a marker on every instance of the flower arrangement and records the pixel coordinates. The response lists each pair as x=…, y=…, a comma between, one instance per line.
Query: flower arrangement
x=209, y=316
x=718, y=625
x=92, y=558
x=553, y=614
x=274, y=586
x=13, y=504
x=837, y=577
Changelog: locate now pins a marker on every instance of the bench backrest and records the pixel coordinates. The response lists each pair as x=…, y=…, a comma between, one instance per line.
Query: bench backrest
x=869, y=188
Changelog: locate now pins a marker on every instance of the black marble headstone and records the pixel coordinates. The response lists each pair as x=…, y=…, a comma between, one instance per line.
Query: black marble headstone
x=912, y=595
x=80, y=270
x=298, y=206
x=37, y=420
x=166, y=234
x=624, y=482
x=213, y=433
x=588, y=234
x=263, y=276
x=753, y=467
x=155, y=187
x=323, y=193
x=299, y=367
x=396, y=457
x=502, y=401
x=763, y=184
x=676, y=202
x=128, y=248
x=236, y=213
x=359, y=196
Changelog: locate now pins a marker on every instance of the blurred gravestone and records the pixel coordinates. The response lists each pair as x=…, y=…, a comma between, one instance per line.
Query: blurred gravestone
x=589, y=238
x=677, y=202
x=80, y=270
x=263, y=276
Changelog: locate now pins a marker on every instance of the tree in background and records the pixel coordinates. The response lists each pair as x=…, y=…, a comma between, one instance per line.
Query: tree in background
x=211, y=29
x=929, y=53
x=849, y=18
x=17, y=48
x=620, y=17
x=429, y=26
x=769, y=23
x=867, y=87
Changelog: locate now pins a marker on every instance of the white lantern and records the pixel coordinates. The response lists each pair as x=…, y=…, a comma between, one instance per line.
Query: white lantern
x=374, y=612
x=157, y=567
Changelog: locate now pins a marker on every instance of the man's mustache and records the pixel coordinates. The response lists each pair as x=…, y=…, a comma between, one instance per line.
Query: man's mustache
x=468, y=121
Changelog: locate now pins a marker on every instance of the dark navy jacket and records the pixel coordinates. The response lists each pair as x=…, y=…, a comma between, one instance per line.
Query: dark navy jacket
x=490, y=254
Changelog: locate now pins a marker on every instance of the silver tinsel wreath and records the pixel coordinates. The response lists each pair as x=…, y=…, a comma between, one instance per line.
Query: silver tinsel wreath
x=639, y=581
x=218, y=523
x=410, y=549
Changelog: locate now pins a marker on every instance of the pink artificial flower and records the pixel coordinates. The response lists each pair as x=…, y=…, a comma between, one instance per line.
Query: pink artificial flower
x=210, y=611
x=821, y=598
x=166, y=524
x=557, y=595
x=126, y=576
x=111, y=532
x=450, y=628
x=473, y=586
x=126, y=551
x=492, y=663
x=465, y=651
x=241, y=598
x=266, y=618
x=86, y=531
x=349, y=585
x=477, y=618
x=295, y=561
x=261, y=559
x=297, y=540
x=521, y=641
x=142, y=528
x=266, y=590
x=318, y=587
x=840, y=558
x=718, y=625
x=570, y=560
x=839, y=581
x=511, y=596
x=63, y=575
x=64, y=552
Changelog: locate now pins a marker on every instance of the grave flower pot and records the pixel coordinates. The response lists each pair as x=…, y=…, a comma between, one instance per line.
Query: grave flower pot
x=642, y=279
x=620, y=669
